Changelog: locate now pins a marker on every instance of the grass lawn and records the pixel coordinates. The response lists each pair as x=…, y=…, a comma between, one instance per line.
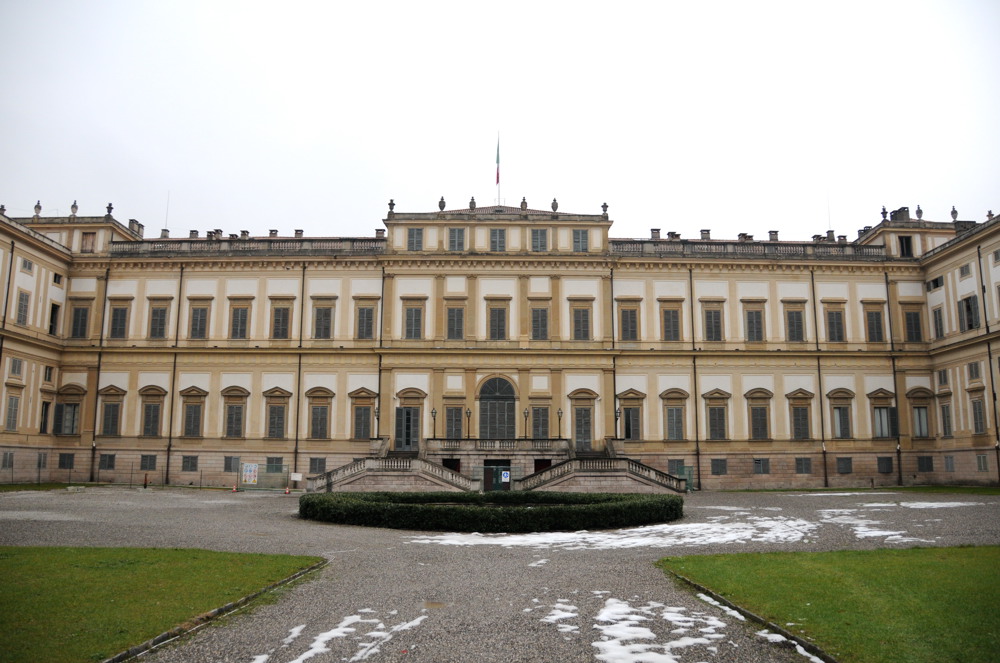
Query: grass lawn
x=909, y=606
x=87, y=604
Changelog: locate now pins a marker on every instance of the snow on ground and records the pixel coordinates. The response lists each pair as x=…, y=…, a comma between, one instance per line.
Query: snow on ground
x=776, y=638
x=920, y=505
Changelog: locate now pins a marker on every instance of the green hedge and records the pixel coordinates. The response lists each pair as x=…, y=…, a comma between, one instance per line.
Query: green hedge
x=513, y=511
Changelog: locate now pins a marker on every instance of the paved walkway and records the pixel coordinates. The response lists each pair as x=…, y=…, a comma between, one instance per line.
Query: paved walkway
x=408, y=596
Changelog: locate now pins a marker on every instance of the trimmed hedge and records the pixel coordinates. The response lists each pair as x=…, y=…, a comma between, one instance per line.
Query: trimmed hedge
x=501, y=511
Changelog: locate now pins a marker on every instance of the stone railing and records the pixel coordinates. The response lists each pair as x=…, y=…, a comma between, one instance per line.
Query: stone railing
x=626, y=465
x=500, y=444
x=326, y=482
x=256, y=246
x=666, y=248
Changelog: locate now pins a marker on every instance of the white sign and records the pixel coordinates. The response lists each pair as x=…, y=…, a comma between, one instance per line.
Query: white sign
x=505, y=476
x=250, y=473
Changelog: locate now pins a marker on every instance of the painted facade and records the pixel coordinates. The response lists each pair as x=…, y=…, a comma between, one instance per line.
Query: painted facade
x=471, y=343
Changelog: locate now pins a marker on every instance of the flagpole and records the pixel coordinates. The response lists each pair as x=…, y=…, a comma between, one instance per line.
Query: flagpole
x=498, y=168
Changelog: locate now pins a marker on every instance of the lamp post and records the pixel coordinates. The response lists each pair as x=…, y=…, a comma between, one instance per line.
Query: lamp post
x=468, y=423
x=434, y=418
x=618, y=415
x=526, y=423
x=559, y=414
x=377, y=422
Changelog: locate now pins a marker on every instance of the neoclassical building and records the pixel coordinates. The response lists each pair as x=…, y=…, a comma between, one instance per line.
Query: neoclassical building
x=499, y=347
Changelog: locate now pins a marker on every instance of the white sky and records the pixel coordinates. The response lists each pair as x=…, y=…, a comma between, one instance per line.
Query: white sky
x=733, y=116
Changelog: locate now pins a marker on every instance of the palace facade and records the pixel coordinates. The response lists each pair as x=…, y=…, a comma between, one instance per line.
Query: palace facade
x=499, y=347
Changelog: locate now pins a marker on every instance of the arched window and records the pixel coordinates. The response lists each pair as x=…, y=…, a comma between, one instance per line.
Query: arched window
x=497, y=416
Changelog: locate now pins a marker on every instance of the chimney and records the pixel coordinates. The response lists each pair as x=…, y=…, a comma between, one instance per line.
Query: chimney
x=272, y=233
x=210, y=234
x=164, y=234
x=673, y=236
x=902, y=214
x=380, y=233
x=654, y=233
x=298, y=233
x=829, y=236
x=742, y=237
x=192, y=234
x=706, y=234
x=842, y=239
x=233, y=236
x=244, y=234
x=817, y=238
x=772, y=235
x=218, y=233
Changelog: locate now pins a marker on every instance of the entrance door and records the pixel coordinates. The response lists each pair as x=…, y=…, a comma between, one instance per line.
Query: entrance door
x=493, y=475
x=497, y=417
x=407, y=428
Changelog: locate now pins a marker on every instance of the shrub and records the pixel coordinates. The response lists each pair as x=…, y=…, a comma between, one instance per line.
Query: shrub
x=492, y=512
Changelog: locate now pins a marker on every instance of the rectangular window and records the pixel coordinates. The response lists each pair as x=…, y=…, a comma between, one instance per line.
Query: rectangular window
x=111, y=419
x=758, y=423
x=921, y=427
x=874, y=327
x=842, y=422
x=717, y=422
x=317, y=466
x=581, y=241
x=66, y=419
x=13, y=405
x=835, y=326
x=675, y=467
x=366, y=322
x=675, y=422
x=935, y=283
x=968, y=313
x=414, y=323
x=630, y=423
x=88, y=242
x=540, y=423
x=671, y=324
x=949, y=463
x=498, y=239
x=795, y=325
x=629, y=327
x=456, y=239
x=982, y=464
x=885, y=422
x=978, y=417
x=761, y=465
x=938, y=316
x=754, y=325
x=583, y=433
x=276, y=421
x=713, y=323
x=27, y=265
x=43, y=424
x=158, y=322
x=456, y=323
x=275, y=465
x=974, y=372
x=231, y=464
x=23, y=302
x=147, y=462
x=803, y=465
x=539, y=324
x=192, y=419
x=965, y=270
x=234, y=420
x=925, y=463
x=281, y=322
x=362, y=422
x=239, y=322
x=913, y=322
x=800, y=423
x=319, y=422
x=57, y=279
x=884, y=464
x=119, y=322
x=905, y=246
x=16, y=367
x=54, y=319
x=845, y=465
x=79, y=327
x=66, y=461
x=942, y=377
x=323, y=322
x=43, y=460
x=946, y=430
x=453, y=423
x=581, y=324
x=719, y=466
x=106, y=462
x=539, y=239
x=498, y=323
x=414, y=239
x=199, y=322
x=189, y=463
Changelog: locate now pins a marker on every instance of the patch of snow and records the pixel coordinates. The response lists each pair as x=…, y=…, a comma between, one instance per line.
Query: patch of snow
x=726, y=609
x=540, y=562
x=775, y=638
x=826, y=494
x=922, y=505
x=292, y=634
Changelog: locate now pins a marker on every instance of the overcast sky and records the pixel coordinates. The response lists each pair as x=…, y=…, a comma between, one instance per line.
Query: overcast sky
x=734, y=116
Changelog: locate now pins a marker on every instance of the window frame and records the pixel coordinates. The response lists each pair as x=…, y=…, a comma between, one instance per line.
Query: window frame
x=198, y=322
x=713, y=321
x=754, y=330
x=240, y=316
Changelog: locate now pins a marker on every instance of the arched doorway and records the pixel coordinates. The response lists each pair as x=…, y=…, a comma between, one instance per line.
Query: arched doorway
x=497, y=412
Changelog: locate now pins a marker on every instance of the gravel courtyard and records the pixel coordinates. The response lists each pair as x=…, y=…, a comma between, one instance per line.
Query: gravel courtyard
x=392, y=595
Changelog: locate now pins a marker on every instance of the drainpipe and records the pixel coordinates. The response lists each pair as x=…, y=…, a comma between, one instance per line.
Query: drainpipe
x=822, y=420
x=173, y=377
x=697, y=437
x=6, y=298
x=298, y=374
x=895, y=378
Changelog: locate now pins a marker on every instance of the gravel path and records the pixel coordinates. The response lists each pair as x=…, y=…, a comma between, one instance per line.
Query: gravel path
x=409, y=596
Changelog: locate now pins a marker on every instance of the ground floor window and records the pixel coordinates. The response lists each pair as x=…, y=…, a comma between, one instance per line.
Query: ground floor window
x=719, y=466
x=189, y=463
x=107, y=462
x=8, y=460
x=761, y=465
x=845, y=465
x=981, y=463
x=884, y=464
x=147, y=462
x=675, y=467
x=231, y=464
x=803, y=465
x=949, y=463
x=275, y=464
x=66, y=461
x=317, y=465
